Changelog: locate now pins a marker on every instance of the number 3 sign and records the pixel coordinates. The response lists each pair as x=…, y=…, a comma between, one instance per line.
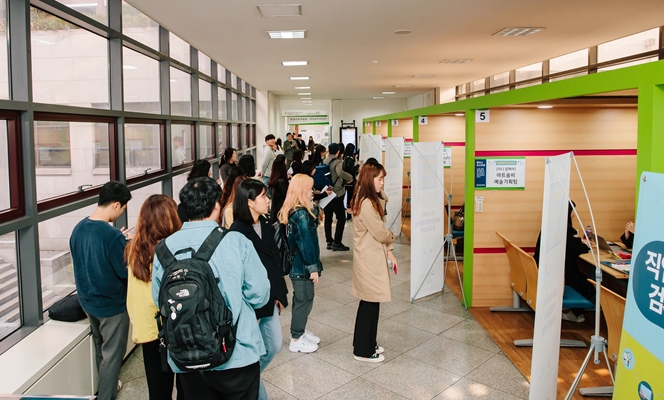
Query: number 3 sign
x=482, y=116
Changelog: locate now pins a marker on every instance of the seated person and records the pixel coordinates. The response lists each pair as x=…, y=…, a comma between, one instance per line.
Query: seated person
x=573, y=276
x=628, y=237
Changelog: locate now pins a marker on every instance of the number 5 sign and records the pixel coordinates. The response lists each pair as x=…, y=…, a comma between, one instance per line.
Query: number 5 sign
x=482, y=116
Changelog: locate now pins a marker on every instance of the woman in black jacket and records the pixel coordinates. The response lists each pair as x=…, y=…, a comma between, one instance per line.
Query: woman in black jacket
x=277, y=186
x=249, y=206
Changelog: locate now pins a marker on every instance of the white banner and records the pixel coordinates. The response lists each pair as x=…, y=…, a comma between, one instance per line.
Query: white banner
x=550, y=282
x=427, y=219
x=394, y=182
x=371, y=146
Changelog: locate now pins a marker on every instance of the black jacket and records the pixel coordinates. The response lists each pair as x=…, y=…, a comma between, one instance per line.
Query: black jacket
x=278, y=195
x=269, y=254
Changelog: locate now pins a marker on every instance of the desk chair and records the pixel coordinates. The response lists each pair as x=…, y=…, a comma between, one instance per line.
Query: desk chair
x=517, y=278
x=613, y=306
x=455, y=235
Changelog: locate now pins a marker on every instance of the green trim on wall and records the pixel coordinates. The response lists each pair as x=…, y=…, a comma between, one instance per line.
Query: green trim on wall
x=469, y=209
x=373, y=127
x=389, y=128
x=650, y=140
x=416, y=130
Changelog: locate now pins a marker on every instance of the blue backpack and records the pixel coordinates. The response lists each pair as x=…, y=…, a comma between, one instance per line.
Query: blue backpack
x=323, y=176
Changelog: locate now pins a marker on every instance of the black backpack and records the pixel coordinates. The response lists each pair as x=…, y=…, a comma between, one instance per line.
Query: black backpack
x=349, y=165
x=281, y=232
x=195, y=325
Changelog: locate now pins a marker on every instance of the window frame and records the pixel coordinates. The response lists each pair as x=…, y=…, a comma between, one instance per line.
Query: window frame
x=15, y=166
x=162, y=144
x=213, y=140
x=194, y=145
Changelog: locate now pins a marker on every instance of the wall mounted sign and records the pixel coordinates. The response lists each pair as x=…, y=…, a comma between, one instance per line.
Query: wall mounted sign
x=482, y=116
x=506, y=173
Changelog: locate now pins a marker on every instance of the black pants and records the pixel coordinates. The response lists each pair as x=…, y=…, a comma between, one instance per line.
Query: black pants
x=160, y=382
x=336, y=207
x=230, y=384
x=350, y=189
x=366, y=329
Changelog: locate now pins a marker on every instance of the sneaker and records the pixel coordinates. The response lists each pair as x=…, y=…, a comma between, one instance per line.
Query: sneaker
x=379, y=349
x=580, y=318
x=311, y=337
x=302, y=345
x=569, y=316
x=349, y=217
x=119, y=385
x=375, y=358
x=329, y=245
x=339, y=247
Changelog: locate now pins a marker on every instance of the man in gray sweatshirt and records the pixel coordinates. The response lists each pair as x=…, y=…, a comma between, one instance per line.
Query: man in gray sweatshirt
x=268, y=157
x=336, y=207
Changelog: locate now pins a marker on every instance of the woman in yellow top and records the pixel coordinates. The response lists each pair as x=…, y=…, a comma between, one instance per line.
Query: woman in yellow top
x=372, y=260
x=157, y=220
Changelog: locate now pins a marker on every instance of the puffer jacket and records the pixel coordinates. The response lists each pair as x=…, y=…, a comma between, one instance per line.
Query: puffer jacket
x=303, y=243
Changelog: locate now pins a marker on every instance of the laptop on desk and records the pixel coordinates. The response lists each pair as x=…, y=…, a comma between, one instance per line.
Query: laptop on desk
x=611, y=248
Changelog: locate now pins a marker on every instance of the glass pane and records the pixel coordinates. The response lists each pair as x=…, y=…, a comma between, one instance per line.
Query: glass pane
x=205, y=143
x=138, y=197
x=221, y=73
x=180, y=93
x=204, y=99
x=527, y=72
x=178, y=183
x=233, y=81
x=5, y=200
x=179, y=49
x=10, y=306
x=477, y=85
x=141, y=82
x=568, y=62
x=95, y=10
x=235, y=137
x=70, y=154
x=56, y=268
x=183, y=144
x=4, y=64
x=69, y=64
x=204, y=63
x=500, y=79
x=139, y=26
x=222, y=104
x=142, y=149
x=222, y=137
x=234, y=106
x=627, y=46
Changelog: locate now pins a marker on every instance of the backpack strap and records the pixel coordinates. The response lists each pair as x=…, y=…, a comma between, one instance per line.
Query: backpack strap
x=164, y=254
x=210, y=244
x=330, y=164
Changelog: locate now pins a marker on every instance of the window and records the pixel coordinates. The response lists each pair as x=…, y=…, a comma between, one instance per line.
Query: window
x=223, y=137
x=69, y=64
x=528, y=72
x=140, y=75
x=234, y=106
x=627, y=46
x=235, y=137
x=138, y=197
x=95, y=10
x=179, y=49
x=182, y=140
x=143, y=149
x=178, y=183
x=180, y=93
x=221, y=73
x=10, y=309
x=139, y=26
x=568, y=62
x=204, y=99
x=205, y=141
x=5, y=198
x=499, y=80
x=222, y=104
x=69, y=155
x=4, y=64
x=204, y=63
x=233, y=82
x=56, y=267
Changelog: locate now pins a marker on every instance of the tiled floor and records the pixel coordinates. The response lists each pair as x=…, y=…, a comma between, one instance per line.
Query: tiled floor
x=434, y=348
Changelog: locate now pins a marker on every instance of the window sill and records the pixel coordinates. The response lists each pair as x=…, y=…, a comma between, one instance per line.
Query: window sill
x=52, y=171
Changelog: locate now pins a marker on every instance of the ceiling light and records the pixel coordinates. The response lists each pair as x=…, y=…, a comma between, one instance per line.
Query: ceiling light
x=306, y=102
x=389, y=93
x=302, y=87
x=378, y=97
x=544, y=106
x=459, y=115
x=293, y=63
x=304, y=94
x=401, y=86
x=375, y=61
x=287, y=34
x=279, y=10
x=422, y=76
x=456, y=61
x=305, y=98
x=515, y=31
x=128, y=67
x=299, y=78
x=402, y=31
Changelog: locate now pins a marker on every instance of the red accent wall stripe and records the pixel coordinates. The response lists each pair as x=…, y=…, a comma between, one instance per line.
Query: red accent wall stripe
x=454, y=144
x=548, y=153
x=498, y=250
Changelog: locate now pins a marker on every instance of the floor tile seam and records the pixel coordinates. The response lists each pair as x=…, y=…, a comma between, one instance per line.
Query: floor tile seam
x=443, y=368
x=411, y=326
x=481, y=348
x=377, y=384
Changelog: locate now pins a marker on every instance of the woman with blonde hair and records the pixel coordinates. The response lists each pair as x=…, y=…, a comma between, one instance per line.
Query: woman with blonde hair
x=372, y=260
x=157, y=219
x=301, y=215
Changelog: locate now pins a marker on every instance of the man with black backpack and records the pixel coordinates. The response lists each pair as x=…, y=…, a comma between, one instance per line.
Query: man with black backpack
x=206, y=284
x=336, y=206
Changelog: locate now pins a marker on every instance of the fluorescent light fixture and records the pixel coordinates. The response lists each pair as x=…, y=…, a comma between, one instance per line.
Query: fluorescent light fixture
x=459, y=115
x=279, y=10
x=306, y=102
x=456, y=61
x=402, y=86
x=126, y=66
x=287, y=34
x=378, y=97
x=422, y=76
x=389, y=93
x=304, y=94
x=545, y=106
x=517, y=31
x=293, y=63
x=299, y=78
x=305, y=98
x=309, y=104
x=302, y=87
x=402, y=31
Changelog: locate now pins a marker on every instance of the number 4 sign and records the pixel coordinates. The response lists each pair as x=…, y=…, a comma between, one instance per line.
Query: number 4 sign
x=423, y=120
x=482, y=116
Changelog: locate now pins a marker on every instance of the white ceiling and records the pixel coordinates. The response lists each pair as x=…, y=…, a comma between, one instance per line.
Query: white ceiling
x=345, y=36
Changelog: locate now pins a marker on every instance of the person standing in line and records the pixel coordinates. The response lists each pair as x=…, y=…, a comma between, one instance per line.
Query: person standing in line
x=228, y=160
x=268, y=157
x=372, y=260
x=301, y=215
x=179, y=154
x=319, y=154
x=311, y=147
x=249, y=207
x=279, y=149
x=336, y=206
x=157, y=220
x=248, y=166
x=300, y=142
x=351, y=166
x=290, y=146
x=277, y=186
x=243, y=286
x=227, y=197
x=296, y=165
x=97, y=251
x=199, y=169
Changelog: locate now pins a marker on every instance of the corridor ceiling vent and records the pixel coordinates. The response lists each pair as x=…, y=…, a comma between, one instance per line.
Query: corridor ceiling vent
x=287, y=34
x=423, y=76
x=456, y=61
x=517, y=31
x=402, y=31
x=280, y=10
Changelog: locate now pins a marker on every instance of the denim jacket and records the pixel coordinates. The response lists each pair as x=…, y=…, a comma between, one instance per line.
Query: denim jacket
x=303, y=243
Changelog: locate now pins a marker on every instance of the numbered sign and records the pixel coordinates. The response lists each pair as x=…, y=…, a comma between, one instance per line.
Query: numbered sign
x=423, y=120
x=377, y=123
x=395, y=122
x=367, y=124
x=482, y=116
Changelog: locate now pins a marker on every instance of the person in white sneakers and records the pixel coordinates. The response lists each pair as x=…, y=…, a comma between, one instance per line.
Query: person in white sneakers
x=301, y=215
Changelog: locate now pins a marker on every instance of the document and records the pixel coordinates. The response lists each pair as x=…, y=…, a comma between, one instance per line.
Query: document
x=324, y=202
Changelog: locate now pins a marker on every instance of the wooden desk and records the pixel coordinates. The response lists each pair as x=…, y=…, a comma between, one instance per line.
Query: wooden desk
x=604, y=256
x=611, y=279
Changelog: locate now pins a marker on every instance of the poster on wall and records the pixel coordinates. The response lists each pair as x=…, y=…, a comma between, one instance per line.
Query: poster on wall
x=407, y=145
x=500, y=173
x=447, y=157
x=427, y=219
x=641, y=355
x=349, y=135
x=393, y=183
x=383, y=144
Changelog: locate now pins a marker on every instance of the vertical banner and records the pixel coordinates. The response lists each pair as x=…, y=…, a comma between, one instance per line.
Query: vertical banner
x=427, y=219
x=393, y=183
x=641, y=356
x=550, y=282
x=365, y=145
x=375, y=147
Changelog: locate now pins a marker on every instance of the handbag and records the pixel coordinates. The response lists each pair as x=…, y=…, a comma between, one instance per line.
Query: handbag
x=285, y=256
x=458, y=219
x=67, y=309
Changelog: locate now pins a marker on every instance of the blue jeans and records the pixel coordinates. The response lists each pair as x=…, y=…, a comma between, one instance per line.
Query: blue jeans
x=270, y=328
x=265, y=179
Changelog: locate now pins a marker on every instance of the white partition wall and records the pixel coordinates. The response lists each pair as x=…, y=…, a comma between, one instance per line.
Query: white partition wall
x=393, y=183
x=371, y=146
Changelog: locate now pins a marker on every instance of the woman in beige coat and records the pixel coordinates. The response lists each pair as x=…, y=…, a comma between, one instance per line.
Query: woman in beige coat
x=372, y=260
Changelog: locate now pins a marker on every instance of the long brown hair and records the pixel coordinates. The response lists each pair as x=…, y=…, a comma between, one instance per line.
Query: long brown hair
x=157, y=220
x=365, y=188
x=231, y=196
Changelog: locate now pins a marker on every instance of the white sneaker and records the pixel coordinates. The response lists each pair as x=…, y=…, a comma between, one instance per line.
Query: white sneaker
x=302, y=345
x=311, y=337
x=376, y=358
x=119, y=385
x=569, y=316
x=379, y=349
